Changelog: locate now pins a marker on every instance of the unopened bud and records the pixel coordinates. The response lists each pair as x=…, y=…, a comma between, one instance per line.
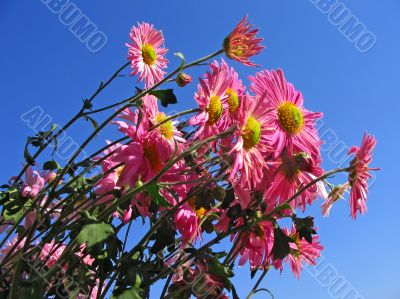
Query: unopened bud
x=183, y=79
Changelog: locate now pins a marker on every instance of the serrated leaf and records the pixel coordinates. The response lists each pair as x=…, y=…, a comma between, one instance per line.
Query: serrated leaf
x=166, y=96
x=95, y=233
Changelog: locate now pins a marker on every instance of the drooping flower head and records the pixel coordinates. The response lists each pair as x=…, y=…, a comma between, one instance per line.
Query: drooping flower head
x=252, y=142
x=293, y=172
x=293, y=125
x=360, y=174
x=255, y=245
x=212, y=100
x=242, y=43
x=334, y=195
x=302, y=252
x=146, y=53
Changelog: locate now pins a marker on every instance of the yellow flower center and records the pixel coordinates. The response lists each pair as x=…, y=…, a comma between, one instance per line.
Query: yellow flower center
x=119, y=171
x=151, y=154
x=233, y=51
x=166, y=129
x=233, y=100
x=290, y=118
x=214, y=110
x=199, y=212
x=251, y=133
x=149, y=54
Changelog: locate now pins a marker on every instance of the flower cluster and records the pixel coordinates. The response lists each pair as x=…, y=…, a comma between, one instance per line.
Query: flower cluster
x=247, y=158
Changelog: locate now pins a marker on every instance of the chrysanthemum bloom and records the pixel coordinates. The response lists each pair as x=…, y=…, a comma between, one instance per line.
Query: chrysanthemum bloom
x=255, y=245
x=33, y=184
x=252, y=143
x=110, y=179
x=235, y=93
x=187, y=223
x=183, y=79
x=166, y=132
x=334, y=195
x=242, y=43
x=360, y=174
x=51, y=252
x=293, y=172
x=293, y=125
x=302, y=252
x=212, y=99
x=146, y=53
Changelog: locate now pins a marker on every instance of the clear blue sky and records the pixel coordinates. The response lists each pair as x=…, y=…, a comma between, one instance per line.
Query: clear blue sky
x=43, y=63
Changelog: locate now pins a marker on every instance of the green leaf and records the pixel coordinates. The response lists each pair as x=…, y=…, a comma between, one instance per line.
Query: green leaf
x=134, y=293
x=283, y=207
x=95, y=233
x=281, y=246
x=305, y=227
x=154, y=192
x=166, y=96
x=180, y=55
x=219, y=269
x=51, y=165
x=164, y=237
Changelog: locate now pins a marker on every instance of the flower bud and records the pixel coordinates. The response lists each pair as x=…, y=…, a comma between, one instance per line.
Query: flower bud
x=183, y=79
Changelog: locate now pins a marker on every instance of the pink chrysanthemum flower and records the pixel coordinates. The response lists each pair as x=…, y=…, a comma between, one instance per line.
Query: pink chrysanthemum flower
x=255, y=245
x=188, y=219
x=212, y=99
x=293, y=125
x=166, y=133
x=33, y=184
x=146, y=53
x=235, y=93
x=51, y=252
x=109, y=180
x=302, y=252
x=293, y=172
x=333, y=196
x=252, y=143
x=242, y=43
x=360, y=174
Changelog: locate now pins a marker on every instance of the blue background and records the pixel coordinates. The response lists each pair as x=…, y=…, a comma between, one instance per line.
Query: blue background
x=43, y=63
